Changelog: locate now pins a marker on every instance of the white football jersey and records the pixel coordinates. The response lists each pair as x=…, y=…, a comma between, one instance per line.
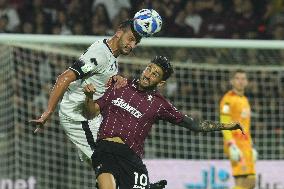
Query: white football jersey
x=95, y=66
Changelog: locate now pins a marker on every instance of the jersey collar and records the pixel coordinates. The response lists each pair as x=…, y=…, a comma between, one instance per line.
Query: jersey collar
x=105, y=42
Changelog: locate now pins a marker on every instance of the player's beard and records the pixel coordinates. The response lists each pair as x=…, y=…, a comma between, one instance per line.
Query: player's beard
x=146, y=87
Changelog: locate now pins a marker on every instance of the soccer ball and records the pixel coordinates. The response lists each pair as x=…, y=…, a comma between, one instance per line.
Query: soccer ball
x=147, y=22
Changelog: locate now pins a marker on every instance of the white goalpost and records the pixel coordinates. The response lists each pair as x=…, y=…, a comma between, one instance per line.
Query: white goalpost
x=31, y=63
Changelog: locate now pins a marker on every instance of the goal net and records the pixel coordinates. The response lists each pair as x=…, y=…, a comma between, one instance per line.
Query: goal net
x=28, y=71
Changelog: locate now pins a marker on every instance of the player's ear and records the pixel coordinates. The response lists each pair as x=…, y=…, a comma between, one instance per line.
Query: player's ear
x=161, y=83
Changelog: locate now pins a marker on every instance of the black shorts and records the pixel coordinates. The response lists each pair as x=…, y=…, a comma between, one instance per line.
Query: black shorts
x=119, y=160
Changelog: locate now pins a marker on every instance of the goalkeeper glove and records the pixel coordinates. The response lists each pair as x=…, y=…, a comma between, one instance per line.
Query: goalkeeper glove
x=158, y=185
x=254, y=154
x=235, y=153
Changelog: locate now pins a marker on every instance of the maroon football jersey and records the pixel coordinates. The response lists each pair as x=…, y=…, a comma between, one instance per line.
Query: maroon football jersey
x=129, y=113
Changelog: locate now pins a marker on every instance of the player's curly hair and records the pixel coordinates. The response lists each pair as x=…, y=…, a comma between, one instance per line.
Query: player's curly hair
x=129, y=24
x=164, y=63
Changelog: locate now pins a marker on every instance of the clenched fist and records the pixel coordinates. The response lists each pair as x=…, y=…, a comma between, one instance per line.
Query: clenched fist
x=89, y=90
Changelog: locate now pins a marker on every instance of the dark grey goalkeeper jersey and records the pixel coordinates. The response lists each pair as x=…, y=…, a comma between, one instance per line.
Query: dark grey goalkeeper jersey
x=129, y=113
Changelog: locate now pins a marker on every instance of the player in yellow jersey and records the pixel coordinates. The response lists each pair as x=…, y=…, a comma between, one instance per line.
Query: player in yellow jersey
x=235, y=106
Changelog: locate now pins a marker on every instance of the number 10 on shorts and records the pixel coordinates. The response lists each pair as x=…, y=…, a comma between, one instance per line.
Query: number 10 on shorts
x=140, y=180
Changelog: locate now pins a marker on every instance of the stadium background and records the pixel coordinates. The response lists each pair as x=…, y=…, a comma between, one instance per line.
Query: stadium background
x=28, y=72
x=250, y=19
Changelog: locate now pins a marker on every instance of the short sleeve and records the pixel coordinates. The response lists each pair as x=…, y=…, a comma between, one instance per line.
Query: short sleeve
x=225, y=106
x=225, y=110
x=170, y=113
x=92, y=61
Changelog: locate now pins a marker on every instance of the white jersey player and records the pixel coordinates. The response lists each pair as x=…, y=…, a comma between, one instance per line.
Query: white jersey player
x=95, y=66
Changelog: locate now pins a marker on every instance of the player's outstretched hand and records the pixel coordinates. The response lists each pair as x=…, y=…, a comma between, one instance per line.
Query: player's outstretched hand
x=40, y=122
x=89, y=90
x=234, y=126
x=119, y=81
x=158, y=185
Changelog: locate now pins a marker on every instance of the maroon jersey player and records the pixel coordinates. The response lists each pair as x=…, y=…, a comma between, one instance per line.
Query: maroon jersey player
x=128, y=115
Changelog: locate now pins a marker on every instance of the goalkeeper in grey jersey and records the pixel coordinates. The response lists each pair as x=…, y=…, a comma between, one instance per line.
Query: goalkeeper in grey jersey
x=95, y=66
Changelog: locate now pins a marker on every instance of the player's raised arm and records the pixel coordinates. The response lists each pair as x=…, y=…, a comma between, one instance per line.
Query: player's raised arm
x=208, y=126
x=91, y=108
x=56, y=94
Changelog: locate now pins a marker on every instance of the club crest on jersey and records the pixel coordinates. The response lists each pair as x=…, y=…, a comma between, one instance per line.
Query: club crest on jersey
x=150, y=97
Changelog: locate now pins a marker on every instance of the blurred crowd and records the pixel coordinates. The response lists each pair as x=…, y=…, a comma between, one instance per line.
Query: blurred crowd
x=238, y=19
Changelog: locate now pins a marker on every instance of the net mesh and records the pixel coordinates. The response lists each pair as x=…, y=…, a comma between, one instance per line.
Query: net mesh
x=201, y=78
x=7, y=134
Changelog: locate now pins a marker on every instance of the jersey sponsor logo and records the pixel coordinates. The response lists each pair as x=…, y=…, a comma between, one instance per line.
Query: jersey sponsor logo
x=124, y=105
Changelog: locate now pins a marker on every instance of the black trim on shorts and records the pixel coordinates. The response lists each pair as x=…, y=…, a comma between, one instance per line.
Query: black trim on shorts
x=88, y=133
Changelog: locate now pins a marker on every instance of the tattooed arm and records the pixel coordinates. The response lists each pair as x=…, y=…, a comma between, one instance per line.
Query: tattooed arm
x=207, y=126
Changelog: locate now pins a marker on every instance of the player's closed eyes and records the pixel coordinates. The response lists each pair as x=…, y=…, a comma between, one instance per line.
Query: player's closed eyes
x=131, y=39
x=153, y=73
x=156, y=75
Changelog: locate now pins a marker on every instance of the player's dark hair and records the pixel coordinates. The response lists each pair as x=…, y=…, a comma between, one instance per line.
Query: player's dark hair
x=164, y=63
x=233, y=73
x=129, y=24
